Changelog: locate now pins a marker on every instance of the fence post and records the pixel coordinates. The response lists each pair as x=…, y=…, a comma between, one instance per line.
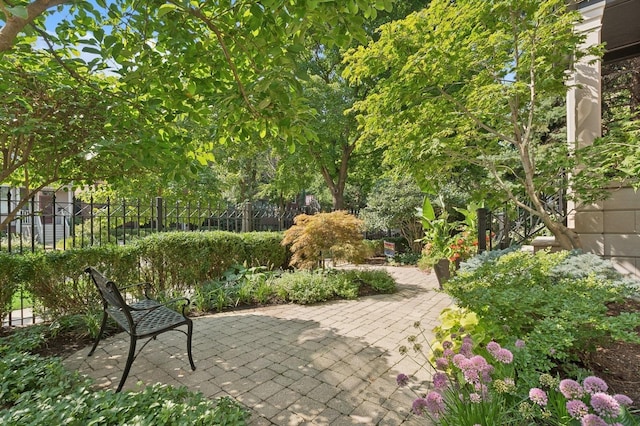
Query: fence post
x=159, y=214
x=33, y=224
x=53, y=219
x=247, y=216
x=482, y=229
x=9, y=222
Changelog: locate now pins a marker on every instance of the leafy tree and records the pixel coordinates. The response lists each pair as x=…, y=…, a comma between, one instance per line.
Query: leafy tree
x=392, y=204
x=336, y=235
x=464, y=84
x=335, y=151
x=229, y=67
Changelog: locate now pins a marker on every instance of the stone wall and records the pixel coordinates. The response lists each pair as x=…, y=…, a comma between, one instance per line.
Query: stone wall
x=611, y=229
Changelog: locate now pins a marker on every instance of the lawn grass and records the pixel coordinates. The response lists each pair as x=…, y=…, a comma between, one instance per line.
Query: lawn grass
x=27, y=302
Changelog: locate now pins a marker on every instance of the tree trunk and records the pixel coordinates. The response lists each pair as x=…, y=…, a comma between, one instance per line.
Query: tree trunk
x=338, y=200
x=567, y=238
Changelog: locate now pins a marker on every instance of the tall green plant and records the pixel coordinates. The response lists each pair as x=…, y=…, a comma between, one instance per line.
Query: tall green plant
x=462, y=86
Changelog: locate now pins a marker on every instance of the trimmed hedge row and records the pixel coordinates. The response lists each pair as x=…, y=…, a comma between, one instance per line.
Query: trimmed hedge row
x=173, y=261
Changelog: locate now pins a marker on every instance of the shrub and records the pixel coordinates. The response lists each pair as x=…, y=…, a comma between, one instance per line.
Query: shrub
x=392, y=205
x=10, y=279
x=37, y=390
x=58, y=283
x=537, y=298
x=304, y=287
x=379, y=281
x=317, y=286
x=336, y=235
x=264, y=249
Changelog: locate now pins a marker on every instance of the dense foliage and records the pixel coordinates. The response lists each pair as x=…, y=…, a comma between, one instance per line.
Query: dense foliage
x=467, y=87
x=35, y=390
x=556, y=302
x=337, y=236
x=172, y=261
x=393, y=204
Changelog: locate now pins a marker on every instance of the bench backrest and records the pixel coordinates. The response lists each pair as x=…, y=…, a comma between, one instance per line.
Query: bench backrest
x=108, y=291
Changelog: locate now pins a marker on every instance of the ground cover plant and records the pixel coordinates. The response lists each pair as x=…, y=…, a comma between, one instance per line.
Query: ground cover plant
x=519, y=347
x=38, y=390
x=241, y=287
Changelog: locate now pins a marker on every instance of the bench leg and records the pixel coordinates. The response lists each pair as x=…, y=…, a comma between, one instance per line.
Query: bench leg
x=130, y=358
x=104, y=323
x=189, y=332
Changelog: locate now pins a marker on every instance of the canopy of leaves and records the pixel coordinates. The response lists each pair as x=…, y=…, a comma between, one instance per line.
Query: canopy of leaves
x=466, y=85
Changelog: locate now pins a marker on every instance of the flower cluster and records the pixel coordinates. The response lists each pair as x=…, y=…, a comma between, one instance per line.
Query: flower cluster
x=471, y=379
x=464, y=376
x=587, y=402
x=462, y=247
x=591, y=395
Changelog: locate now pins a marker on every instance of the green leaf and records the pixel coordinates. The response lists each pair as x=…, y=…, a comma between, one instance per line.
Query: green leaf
x=427, y=209
x=166, y=8
x=18, y=11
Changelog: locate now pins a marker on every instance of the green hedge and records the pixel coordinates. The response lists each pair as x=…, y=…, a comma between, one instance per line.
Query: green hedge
x=12, y=268
x=173, y=261
x=181, y=260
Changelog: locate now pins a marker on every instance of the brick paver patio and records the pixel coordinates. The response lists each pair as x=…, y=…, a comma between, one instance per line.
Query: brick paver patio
x=327, y=364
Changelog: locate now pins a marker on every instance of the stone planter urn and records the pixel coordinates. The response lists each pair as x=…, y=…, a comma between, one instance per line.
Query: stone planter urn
x=443, y=273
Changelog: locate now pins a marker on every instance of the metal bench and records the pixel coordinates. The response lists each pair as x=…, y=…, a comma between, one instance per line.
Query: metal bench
x=145, y=318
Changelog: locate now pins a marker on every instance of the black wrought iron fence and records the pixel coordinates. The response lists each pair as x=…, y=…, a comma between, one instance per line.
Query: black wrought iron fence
x=49, y=224
x=75, y=223
x=515, y=226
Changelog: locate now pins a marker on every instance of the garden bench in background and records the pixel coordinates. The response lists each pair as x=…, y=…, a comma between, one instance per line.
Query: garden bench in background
x=145, y=318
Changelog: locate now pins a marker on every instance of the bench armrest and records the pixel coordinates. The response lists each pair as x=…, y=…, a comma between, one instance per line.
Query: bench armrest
x=160, y=305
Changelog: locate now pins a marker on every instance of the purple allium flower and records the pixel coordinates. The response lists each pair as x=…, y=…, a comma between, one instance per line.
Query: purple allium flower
x=577, y=409
x=442, y=363
x=538, y=396
x=418, y=405
x=467, y=339
x=402, y=379
x=471, y=375
x=447, y=344
x=475, y=398
x=504, y=356
x=435, y=404
x=623, y=399
x=593, y=384
x=605, y=405
x=486, y=373
x=459, y=360
x=448, y=353
x=466, y=349
x=440, y=380
x=478, y=362
x=592, y=420
x=493, y=347
x=520, y=343
x=571, y=389
x=483, y=389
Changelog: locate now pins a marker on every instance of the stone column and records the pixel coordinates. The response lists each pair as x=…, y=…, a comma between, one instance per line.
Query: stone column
x=584, y=118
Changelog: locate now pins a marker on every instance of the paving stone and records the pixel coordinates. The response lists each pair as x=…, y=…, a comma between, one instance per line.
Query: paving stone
x=284, y=398
x=327, y=364
x=265, y=390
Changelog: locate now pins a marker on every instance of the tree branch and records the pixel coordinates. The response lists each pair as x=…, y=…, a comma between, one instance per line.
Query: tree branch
x=14, y=24
x=197, y=13
x=475, y=119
